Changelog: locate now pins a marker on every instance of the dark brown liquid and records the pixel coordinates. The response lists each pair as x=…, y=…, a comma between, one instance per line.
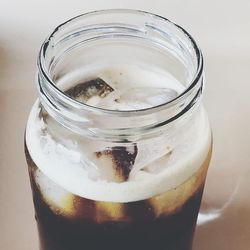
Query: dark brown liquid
x=157, y=223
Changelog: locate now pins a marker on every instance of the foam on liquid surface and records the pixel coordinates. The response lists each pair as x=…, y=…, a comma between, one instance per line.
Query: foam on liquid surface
x=160, y=164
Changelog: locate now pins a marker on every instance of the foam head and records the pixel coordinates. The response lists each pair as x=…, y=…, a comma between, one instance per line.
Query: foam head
x=125, y=171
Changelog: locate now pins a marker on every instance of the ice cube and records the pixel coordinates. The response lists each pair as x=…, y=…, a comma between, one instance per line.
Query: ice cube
x=117, y=162
x=58, y=199
x=104, y=161
x=140, y=175
x=151, y=158
x=109, y=211
x=83, y=92
x=158, y=165
x=145, y=97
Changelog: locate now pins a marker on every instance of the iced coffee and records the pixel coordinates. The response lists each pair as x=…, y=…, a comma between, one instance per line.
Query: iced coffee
x=133, y=182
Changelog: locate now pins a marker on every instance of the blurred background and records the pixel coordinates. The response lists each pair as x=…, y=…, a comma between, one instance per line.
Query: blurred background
x=221, y=28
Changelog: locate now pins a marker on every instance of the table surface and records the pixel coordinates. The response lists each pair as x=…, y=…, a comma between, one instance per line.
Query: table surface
x=222, y=28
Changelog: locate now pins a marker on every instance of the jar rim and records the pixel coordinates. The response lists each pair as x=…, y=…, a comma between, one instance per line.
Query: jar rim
x=79, y=105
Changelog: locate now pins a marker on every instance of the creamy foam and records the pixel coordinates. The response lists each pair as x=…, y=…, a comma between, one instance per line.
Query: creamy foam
x=161, y=163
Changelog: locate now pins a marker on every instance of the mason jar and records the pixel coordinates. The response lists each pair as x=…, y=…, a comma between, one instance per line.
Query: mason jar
x=118, y=142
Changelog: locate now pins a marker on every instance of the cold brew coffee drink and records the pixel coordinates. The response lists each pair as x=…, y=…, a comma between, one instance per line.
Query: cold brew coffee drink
x=118, y=143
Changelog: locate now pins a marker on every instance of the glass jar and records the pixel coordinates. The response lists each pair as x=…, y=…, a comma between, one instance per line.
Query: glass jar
x=118, y=143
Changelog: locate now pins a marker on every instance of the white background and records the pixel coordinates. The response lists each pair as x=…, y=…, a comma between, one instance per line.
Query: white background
x=222, y=29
